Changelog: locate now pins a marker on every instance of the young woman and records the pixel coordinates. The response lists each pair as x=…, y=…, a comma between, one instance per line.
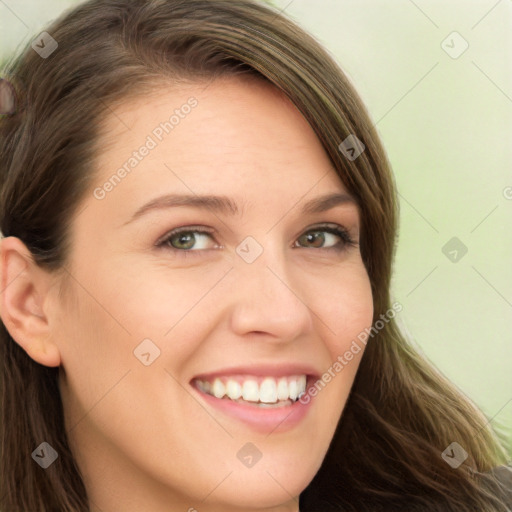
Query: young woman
x=199, y=225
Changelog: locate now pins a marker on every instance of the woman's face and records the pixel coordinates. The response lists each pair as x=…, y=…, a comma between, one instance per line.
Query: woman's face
x=256, y=295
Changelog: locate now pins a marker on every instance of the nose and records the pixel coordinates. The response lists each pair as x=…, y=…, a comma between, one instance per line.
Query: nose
x=266, y=300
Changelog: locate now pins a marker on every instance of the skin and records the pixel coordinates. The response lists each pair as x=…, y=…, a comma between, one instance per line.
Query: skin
x=142, y=439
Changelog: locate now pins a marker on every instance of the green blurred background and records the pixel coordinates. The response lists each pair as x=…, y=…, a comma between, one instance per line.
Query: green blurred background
x=445, y=117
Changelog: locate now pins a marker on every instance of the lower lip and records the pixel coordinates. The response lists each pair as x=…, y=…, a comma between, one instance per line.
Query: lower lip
x=265, y=420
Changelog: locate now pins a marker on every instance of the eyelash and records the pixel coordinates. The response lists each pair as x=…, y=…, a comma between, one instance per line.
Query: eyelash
x=334, y=229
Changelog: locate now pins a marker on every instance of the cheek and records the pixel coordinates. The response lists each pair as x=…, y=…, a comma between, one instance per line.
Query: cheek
x=111, y=316
x=95, y=351
x=346, y=313
x=121, y=320
x=345, y=307
x=151, y=299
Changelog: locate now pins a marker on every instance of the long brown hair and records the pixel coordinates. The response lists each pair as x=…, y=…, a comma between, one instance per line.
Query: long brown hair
x=401, y=414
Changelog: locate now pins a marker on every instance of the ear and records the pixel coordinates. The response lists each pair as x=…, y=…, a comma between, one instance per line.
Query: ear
x=24, y=294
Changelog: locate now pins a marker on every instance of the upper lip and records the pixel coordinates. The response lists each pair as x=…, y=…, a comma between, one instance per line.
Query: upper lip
x=275, y=370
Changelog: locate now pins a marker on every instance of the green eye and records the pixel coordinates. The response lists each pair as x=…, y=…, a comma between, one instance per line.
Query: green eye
x=190, y=239
x=187, y=240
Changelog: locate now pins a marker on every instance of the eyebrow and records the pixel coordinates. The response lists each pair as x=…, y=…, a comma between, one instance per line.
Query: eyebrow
x=225, y=205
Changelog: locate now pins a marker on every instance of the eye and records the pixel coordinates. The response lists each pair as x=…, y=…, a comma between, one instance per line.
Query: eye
x=318, y=238
x=186, y=239
x=189, y=239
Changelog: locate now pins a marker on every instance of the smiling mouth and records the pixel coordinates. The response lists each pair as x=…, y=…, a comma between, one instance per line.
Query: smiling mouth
x=263, y=392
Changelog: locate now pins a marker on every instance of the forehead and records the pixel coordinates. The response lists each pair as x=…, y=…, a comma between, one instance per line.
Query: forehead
x=231, y=134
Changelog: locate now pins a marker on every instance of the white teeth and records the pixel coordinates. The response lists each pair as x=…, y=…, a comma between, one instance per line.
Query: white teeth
x=250, y=391
x=269, y=392
x=233, y=390
x=218, y=388
x=301, y=385
x=277, y=405
x=293, y=389
x=282, y=389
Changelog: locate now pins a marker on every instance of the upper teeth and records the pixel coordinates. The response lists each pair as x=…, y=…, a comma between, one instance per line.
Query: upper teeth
x=267, y=390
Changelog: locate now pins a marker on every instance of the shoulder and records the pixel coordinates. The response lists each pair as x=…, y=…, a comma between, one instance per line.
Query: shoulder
x=503, y=475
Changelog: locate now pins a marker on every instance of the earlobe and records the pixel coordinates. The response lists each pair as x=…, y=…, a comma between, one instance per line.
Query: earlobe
x=24, y=287
x=46, y=354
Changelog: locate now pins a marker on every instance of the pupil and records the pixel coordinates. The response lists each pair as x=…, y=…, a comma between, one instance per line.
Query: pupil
x=184, y=238
x=315, y=237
